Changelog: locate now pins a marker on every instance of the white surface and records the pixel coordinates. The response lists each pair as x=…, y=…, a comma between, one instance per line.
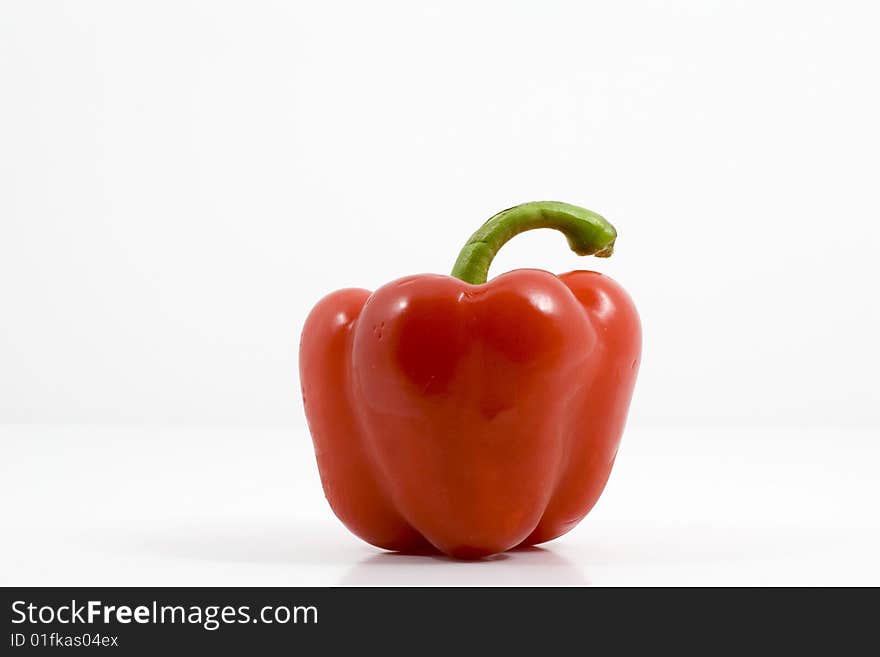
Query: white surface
x=117, y=506
x=180, y=181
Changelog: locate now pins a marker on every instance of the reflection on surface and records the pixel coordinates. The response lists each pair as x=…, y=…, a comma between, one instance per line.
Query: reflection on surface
x=318, y=558
x=532, y=566
x=280, y=552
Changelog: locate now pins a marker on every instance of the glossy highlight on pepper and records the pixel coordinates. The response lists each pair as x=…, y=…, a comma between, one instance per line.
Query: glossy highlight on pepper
x=469, y=417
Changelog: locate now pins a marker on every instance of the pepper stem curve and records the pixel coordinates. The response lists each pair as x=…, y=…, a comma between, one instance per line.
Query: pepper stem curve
x=587, y=233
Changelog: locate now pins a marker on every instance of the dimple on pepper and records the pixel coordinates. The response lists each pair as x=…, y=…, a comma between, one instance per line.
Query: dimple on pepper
x=467, y=416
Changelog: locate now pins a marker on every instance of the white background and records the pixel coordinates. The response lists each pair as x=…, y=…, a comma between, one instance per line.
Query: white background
x=180, y=182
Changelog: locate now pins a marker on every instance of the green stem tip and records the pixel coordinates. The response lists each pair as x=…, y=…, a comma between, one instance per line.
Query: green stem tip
x=587, y=233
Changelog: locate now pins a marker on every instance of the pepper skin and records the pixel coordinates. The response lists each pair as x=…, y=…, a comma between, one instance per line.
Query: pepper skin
x=473, y=417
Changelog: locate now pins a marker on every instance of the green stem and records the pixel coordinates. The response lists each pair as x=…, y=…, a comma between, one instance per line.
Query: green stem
x=587, y=234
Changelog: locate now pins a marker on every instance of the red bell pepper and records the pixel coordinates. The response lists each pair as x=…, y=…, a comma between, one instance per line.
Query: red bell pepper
x=468, y=416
